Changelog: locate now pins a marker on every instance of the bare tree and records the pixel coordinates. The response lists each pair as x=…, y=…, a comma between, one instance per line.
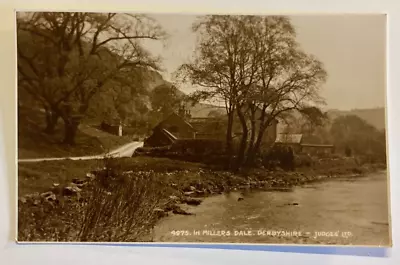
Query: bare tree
x=65, y=58
x=220, y=64
x=256, y=66
x=288, y=78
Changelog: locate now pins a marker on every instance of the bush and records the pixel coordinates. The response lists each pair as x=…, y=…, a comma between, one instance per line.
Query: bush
x=278, y=155
x=152, y=151
x=115, y=207
x=122, y=208
x=198, y=146
x=303, y=160
x=48, y=222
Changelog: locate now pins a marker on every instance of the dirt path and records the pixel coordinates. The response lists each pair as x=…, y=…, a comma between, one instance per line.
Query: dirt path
x=122, y=151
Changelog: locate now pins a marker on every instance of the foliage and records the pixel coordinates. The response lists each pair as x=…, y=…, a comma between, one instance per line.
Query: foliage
x=198, y=146
x=121, y=208
x=314, y=115
x=355, y=136
x=281, y=156
x=65, y=58
x=115, y=207
x=165, y=99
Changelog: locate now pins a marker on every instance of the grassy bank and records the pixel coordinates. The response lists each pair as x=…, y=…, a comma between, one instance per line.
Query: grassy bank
x=175, y=182
x=34, y=143
x=40, y=176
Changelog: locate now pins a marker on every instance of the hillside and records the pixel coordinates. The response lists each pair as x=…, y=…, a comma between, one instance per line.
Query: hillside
x=375, y=116
x=34, y=143
x=202, y=110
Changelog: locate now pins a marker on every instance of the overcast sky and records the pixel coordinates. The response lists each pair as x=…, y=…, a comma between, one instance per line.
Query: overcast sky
x=352, y=48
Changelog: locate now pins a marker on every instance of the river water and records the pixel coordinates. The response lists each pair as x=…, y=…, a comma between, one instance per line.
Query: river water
x=351, y=211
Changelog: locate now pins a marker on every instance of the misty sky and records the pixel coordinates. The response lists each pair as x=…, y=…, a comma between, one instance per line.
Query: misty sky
x=352, y=48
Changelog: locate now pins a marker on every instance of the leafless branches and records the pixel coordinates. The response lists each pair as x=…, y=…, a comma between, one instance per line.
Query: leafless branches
x=256, y=66
x=68, y=57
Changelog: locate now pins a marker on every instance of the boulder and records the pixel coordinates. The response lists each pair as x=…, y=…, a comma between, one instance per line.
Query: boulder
x=189, y=193
x=200, y=192
x=46, y=194
x=79, y=181
x=80, y=185
x=192, y=201
x=160, y=212
x=49, y=196
x=189, y=189
x=71, y=190
x=174, y=198
x=170, y=207
x=90, y=176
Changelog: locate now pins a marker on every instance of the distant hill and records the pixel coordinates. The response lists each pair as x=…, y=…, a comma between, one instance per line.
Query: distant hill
x=203, y=110
x=154, y=79
x=375, y=116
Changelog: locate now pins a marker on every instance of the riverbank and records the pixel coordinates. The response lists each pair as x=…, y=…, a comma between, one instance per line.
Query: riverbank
x=338, y=211
x=204, y=183
x=184, y=183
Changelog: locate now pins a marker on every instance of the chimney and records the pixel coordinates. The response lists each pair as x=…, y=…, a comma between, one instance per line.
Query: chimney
x=181, y=111
x=188, y=115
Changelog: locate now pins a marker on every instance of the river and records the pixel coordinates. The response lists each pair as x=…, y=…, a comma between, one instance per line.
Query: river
x=351, y=211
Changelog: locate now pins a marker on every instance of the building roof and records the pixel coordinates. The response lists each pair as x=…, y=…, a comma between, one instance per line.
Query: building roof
x=170, y=136
x=176, y=116
x=287, y=138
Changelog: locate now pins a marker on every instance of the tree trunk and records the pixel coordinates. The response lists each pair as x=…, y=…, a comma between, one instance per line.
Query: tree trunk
x=228, y=148
x=257, y=145
x=70, y=130
x=250, y=150
x=51, y=121
x=243, y=142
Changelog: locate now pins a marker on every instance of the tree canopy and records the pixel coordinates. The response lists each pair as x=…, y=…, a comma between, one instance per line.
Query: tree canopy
x=352, y=132
x=165, y=99
x=255, y=65
x=66, y=58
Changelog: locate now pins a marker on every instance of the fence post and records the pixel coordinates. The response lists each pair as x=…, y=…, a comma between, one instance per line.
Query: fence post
x=120, y=129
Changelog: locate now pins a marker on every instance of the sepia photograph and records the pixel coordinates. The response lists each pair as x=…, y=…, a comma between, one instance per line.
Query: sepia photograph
x=202, y=128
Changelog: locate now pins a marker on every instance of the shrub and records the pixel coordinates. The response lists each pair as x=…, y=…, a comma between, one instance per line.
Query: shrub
x=347, y=151
x=198, y=146
x=122, y=207
x=303, y=160
x=48, y=222
x=115, y=207
x=282, y=156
